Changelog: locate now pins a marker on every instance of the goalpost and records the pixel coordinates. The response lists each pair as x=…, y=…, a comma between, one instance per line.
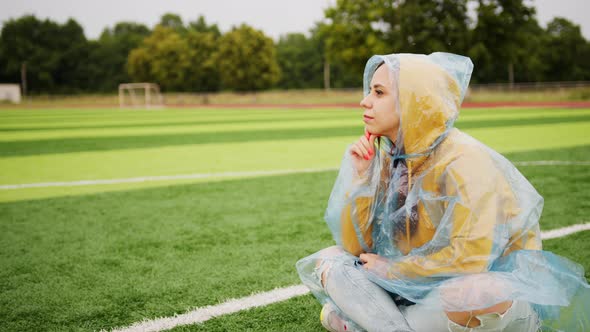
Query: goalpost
x=10, y=92
x=140, y=95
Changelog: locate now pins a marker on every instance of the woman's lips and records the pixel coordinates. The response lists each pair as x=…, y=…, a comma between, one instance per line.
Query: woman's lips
x=367, y=118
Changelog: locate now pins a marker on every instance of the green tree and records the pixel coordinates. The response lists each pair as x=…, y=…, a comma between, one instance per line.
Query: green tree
x=54, y=54
x=503, y=28
x=139, y=65
x=565, y=52
x=73, y=73
x=336, y=74
x=110, y=53
x=425, y=26
x=200, y=25
x=163, y=58
x=203, y=74
x=172, y=21
x=246, y=59
x=178, y=62
x=353, y=33
x=528, y=64
x=355, y=30
x=301, y=62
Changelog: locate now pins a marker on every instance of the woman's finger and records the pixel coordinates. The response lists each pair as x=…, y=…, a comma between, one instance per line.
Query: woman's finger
x=355, y=151
x=367, y=145
x=369, y=257
x=364, y=152
x=363, y=258
x=368, y=136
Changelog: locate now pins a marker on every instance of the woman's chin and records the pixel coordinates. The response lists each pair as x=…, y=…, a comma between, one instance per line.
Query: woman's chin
x=370, y=128
x=373, y=131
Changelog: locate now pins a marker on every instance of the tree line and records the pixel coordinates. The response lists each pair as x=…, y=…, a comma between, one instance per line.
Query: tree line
x=504, y=40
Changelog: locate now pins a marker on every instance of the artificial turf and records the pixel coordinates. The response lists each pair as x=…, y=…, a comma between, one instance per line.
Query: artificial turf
x=95, y=257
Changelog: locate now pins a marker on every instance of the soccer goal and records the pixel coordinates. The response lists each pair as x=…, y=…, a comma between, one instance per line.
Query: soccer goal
x=145, y=95
x=10, y=92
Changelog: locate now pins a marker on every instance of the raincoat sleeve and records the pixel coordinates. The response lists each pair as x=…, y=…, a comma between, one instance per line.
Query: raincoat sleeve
x=361, y=210
x=349, y=208
x=477, y=198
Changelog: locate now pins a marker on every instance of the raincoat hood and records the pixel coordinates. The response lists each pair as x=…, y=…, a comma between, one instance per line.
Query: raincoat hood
x=429, y=91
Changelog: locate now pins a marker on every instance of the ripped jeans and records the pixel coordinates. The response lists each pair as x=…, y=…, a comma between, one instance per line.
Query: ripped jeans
x=371, y=308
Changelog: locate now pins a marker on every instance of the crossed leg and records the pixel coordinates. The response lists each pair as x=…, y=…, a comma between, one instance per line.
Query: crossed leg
x=359, y=299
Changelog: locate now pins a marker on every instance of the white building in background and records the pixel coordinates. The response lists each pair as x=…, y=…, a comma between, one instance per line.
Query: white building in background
x=10, y=92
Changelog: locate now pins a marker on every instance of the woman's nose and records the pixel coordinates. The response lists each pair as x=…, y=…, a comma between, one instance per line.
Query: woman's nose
x=365, y=103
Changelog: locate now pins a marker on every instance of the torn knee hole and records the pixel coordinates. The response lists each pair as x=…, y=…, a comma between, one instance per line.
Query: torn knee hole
x=324, y=276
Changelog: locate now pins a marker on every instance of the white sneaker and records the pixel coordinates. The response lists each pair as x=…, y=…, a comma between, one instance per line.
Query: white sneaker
x=332, y=321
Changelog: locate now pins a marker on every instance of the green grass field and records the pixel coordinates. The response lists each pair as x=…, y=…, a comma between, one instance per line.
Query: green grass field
x=91, y=257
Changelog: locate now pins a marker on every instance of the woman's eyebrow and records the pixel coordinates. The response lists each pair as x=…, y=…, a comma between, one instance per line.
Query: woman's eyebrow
x=377, y=86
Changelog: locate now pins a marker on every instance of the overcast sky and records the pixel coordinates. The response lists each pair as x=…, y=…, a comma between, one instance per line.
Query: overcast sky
x=274, y=17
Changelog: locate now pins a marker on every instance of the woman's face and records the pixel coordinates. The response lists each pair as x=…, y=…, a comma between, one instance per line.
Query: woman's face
x=380, y=115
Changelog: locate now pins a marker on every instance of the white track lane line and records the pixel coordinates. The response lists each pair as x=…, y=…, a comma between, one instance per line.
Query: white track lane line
x=203, y=314
x=237, y=174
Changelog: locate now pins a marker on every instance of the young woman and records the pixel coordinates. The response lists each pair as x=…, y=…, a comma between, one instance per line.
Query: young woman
x=434, y=230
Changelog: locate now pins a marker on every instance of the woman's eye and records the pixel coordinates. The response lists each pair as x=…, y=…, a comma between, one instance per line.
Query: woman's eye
x=378, y=92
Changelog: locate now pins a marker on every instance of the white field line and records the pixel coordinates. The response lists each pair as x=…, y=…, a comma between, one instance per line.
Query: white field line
x=235, y=174
x=163, y=178
x=200, y=315
x=565, y=231
x=552, y=163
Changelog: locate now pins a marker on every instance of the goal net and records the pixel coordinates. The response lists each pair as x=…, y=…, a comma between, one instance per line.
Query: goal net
x=10, y=92
x=145, y=95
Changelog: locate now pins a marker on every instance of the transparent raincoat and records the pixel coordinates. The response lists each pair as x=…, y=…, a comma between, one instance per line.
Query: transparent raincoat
x=455, y=223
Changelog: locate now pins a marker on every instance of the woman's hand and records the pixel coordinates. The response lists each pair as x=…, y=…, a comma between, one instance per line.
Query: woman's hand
x=363, y=152
x=375, y=263
x=370, y=261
